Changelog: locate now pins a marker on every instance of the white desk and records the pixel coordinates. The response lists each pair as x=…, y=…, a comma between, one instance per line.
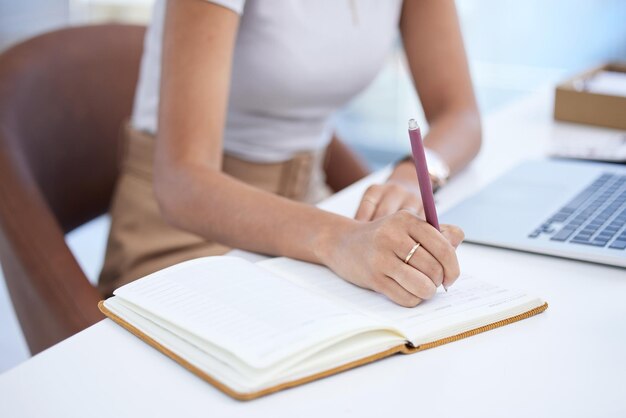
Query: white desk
x=568, y=362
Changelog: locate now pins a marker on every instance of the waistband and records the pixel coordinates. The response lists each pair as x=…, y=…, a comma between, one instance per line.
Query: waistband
x=300, y=178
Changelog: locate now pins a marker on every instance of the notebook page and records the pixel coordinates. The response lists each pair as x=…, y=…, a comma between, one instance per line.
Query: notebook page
x=230, y=302
x=469, y=303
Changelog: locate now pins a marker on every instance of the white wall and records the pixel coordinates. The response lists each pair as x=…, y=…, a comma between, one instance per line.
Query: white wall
x=13, y=349
x=20, y=19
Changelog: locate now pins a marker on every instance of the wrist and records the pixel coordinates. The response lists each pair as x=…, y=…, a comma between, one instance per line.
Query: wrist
x=438, y=169
x=404, y=170
x=404, y=174
x=329, y=237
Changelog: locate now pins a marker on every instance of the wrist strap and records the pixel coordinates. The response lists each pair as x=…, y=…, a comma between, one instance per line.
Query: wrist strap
x=436, y=183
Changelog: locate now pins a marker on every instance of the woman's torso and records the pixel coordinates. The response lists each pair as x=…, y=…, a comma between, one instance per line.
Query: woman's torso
x=295, y=63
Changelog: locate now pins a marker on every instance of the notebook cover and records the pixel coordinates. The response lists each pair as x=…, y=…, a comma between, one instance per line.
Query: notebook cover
x=404, y=349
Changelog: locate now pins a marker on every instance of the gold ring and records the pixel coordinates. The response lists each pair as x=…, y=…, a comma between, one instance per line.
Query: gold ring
x=410, y=254
x=373, y=202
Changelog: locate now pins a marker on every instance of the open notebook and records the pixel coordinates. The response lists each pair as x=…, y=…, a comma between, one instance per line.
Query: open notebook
x=253, y=329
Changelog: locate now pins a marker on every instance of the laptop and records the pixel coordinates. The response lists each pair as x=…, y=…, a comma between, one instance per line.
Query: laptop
x=572, y=209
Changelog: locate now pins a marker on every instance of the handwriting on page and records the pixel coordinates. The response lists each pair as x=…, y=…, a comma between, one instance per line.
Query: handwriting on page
x=243, y=308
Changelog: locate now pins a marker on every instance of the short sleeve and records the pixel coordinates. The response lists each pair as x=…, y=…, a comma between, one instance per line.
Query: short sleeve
x=234, y=5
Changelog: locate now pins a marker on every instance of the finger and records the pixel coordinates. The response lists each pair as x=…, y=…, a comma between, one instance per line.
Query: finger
x=390, y=203
x=413, y=280
x=453, y=234
x=369, y=202
x=423, y=261
x=414, y=205
x=390, y=288
x=439, y=247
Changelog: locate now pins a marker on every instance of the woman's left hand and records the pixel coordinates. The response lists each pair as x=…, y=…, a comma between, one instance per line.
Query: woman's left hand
x=384, y=199
x=400, y=191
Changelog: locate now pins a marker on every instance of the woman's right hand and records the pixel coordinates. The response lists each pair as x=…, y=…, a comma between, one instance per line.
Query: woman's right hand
x=371, y=255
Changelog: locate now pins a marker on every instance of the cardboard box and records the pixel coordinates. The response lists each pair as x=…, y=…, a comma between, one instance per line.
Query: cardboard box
x=574, y=103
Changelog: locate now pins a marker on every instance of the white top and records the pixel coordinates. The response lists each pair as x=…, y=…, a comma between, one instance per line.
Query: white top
x=294, y=65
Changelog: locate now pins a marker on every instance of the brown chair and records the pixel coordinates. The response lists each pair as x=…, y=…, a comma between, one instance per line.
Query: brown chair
x=63, y=98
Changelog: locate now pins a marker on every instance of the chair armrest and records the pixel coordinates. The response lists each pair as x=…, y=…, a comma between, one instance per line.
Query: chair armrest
x=52, y=297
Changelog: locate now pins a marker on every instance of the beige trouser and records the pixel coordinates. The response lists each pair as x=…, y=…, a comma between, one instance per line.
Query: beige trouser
x=141, y=242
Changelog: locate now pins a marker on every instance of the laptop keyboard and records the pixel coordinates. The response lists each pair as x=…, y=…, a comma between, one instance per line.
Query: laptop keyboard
x=596, y=216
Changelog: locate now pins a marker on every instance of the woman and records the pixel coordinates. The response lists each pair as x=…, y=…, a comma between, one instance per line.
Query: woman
x=242, y=97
